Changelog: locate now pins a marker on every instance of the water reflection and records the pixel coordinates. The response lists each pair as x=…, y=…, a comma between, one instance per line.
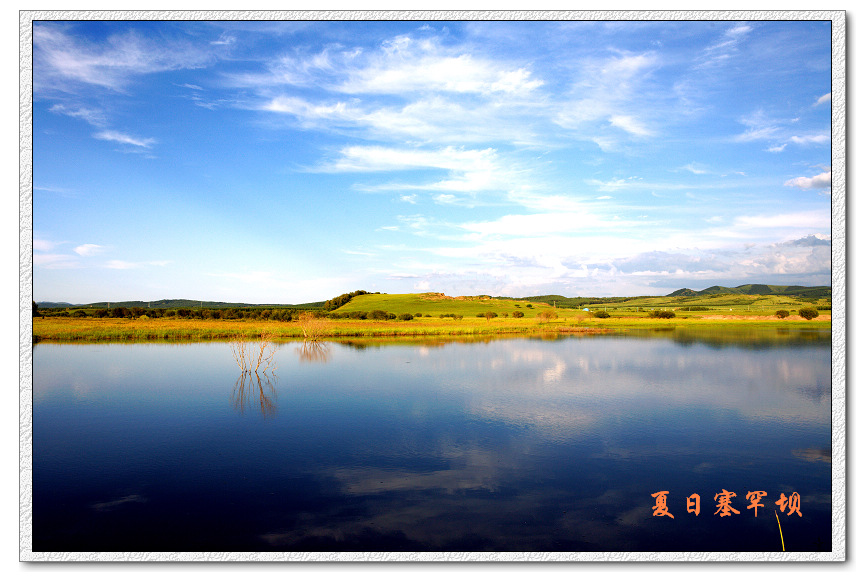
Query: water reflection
x=503, y=445
x=314, y=351
x=254, y=389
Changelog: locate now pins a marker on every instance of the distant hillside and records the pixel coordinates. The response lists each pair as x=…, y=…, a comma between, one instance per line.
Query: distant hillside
x=571, y=302
x=757, y=289
x=437, y=304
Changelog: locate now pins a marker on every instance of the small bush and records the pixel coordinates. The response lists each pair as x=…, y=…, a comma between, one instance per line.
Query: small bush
x=547, y=315
x=79, y=313
x=518, y=314
x=406, y=316
x=601, y=314
x=662, y=314
x=808, y=312
x=782, y=313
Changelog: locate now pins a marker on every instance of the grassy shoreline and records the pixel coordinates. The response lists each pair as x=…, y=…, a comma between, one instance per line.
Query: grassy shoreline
x=64, y=329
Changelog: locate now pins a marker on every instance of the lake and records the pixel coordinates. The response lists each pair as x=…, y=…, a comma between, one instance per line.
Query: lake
x=529, y=444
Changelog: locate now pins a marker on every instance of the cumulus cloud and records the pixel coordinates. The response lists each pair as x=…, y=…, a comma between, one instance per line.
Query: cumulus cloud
x=820, y=181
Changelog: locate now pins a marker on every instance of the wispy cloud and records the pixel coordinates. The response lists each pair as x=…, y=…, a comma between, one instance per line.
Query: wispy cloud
x=815, y=138
x=119, y=137
x=725, y=48
x=694, y=169
x=604, y=91
x=760, y=127
x=630, y=125
x=90, y=115
x=88, y=250
x=62, y=59
x=125, y=265
x=56, y=261
x=401, y=64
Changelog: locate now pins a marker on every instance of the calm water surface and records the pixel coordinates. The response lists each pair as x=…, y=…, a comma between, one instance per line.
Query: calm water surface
x=506, y=445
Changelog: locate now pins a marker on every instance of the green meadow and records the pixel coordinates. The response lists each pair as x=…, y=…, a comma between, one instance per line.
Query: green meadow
x=435, y=314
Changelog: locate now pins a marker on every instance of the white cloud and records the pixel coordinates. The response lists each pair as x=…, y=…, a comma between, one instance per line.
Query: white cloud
x=793, y=220
x=55, y=261
x=42, y=245
x=694, y=169
x=406, y=65
x=819, y=181
x=88, y=250
x=94, y=117
x=827, y=98
x=118, y=264
x=543, y=224
x=61, y=58
x=124, y=265
x=760, y=127
x=604, y=90
x=381, y=159
x=725, y=48
x=817, y=138
x=111, y=135
x=630, y=125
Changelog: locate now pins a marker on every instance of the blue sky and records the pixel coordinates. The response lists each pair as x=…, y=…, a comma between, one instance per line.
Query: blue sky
x=294, y=161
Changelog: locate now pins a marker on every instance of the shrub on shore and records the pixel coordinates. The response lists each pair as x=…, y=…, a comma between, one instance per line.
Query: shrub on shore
x=662, y=314
x=808, y=312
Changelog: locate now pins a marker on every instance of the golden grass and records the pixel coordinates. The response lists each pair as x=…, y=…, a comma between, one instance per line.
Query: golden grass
x=165, y=329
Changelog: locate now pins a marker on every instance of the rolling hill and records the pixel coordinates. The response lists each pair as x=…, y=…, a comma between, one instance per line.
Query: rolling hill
x=757, y=289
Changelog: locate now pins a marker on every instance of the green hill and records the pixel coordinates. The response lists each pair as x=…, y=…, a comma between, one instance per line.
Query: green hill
x=435, y=304
x=758, y=289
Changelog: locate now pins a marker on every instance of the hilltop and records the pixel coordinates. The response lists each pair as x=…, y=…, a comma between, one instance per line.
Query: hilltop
x=758, y=289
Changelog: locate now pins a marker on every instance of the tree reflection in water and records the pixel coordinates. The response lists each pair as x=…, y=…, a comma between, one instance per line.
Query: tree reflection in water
x=314, y=351
x=252, y=387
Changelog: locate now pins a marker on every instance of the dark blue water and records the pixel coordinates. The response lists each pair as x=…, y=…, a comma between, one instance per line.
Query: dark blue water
x=507, y=445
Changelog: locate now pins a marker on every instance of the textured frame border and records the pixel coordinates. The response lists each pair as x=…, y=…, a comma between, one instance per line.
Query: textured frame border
x=839, y=280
